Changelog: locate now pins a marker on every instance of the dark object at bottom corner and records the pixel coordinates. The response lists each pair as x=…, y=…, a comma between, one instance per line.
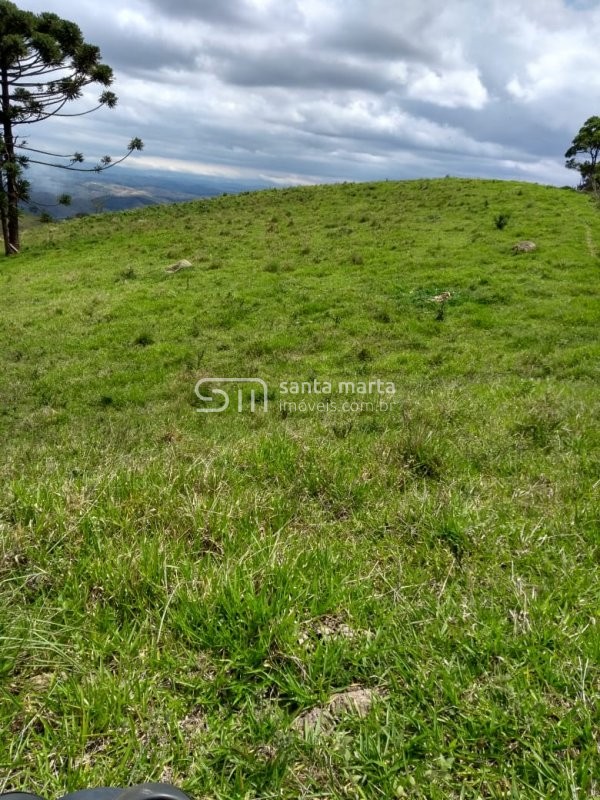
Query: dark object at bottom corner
x=144, y=791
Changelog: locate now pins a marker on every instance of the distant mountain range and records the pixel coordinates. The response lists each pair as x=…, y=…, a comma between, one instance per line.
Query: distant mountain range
x=125, y=189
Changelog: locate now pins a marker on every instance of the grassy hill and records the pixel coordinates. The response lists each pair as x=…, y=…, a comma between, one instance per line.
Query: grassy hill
x=182, y=593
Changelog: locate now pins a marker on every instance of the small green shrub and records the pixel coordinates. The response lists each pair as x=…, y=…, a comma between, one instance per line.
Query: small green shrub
x=144, y=340
x=128, y=274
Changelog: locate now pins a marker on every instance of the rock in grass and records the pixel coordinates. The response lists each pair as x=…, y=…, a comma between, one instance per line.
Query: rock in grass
x=322, y=719
x=183, y=264
x=441, y=298
x=524, y=247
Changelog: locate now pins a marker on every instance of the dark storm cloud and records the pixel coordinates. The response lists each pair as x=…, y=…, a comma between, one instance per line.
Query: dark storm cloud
x=502, y=122
x=221, y=12
x=297, y=69
x=374, y=41
x=146, y=57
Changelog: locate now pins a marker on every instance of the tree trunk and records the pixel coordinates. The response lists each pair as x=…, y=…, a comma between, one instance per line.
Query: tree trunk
x=4, y=217
x=10, y=212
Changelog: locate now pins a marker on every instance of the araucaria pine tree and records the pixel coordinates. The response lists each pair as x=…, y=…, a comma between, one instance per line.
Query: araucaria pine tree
x=45, y=65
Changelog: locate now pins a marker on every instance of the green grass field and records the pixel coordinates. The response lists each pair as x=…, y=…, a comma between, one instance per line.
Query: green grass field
x=181, y=593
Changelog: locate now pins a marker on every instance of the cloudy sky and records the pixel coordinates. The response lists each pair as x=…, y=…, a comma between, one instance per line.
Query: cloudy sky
x=303, y=91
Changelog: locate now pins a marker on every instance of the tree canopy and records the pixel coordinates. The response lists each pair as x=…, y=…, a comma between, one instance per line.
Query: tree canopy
x=583, y=154
x=45, y=65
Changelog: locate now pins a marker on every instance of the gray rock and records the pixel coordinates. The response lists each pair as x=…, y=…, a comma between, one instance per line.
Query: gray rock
x=183, y=264
x=441, y=298
x=524, y=247
x=323, y=719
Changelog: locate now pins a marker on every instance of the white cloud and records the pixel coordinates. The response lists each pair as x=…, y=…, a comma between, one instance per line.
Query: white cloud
x=454, y=89
x=568, y=66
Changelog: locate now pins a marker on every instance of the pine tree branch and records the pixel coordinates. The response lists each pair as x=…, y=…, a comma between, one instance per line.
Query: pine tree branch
x=97, y=168
x=46, y=152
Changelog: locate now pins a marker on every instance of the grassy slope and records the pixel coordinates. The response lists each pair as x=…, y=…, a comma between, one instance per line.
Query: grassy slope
x=165, y=575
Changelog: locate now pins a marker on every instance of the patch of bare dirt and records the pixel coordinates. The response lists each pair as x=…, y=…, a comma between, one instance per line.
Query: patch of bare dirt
x=194, y=723
x=328, y=628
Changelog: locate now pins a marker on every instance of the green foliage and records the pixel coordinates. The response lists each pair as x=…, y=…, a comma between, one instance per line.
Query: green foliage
x=176, y=588
x=501, y=221
x=144, y=339
x=68, y=62
x=586, y=143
